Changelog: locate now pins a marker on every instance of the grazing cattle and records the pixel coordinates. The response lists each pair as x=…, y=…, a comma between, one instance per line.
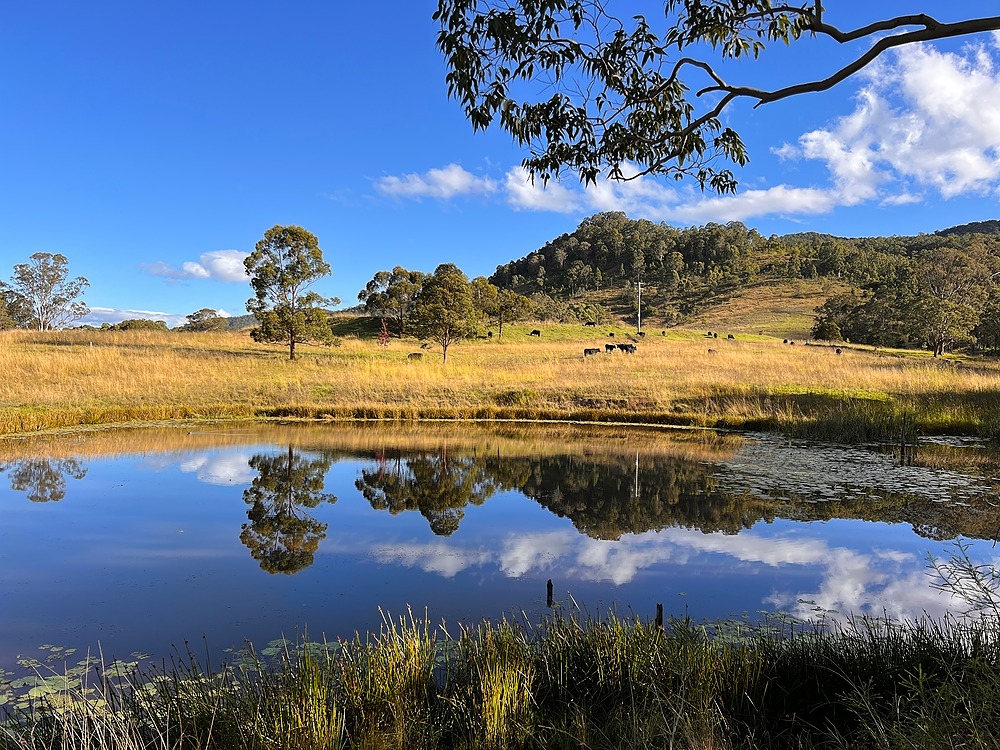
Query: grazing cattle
x=791, y=343
x=609, y=347
x=627, y=348
x=731, y=336
x=839, y=350
x=589, y=352
x=709, y=334
x=784, y=341
x=715, y=335
x=641, y=334
x=489, y=334
x=663, y=333
x=536, y=332
x=712, y=351
x=415, y=355
x=590, y=324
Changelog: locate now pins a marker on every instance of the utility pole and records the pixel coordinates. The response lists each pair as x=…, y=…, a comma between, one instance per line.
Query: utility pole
x=638, y=322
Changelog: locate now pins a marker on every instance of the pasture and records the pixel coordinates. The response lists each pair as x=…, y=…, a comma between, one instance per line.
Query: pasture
x=66, y=379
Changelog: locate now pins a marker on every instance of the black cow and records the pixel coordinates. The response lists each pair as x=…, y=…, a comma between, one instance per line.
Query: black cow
x=536, y=332
x=590, y=324
x=609, y=347
x=589, y=352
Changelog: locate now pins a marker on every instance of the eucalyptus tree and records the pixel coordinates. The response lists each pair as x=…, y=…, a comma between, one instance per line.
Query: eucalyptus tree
x=205, y=319
x=952, y=286
x=444, y=311
x=282, y=267
x=499, y=305
x=593, y=87
x=392, y=294
x=41, y=295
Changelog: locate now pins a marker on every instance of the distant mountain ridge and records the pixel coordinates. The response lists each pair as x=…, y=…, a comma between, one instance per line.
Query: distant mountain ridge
x=992, y=226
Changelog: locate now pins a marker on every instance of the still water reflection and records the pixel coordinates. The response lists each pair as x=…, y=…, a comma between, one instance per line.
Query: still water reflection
x=170, y=535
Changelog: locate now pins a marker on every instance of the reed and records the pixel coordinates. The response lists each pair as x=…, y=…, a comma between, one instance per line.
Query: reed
x=65, y=379
x=568, y=683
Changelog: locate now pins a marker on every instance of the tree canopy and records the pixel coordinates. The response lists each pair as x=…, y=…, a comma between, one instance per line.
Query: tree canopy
x=594, y=93
x=392, y=294
x=205, y=319
x=445, y=311
x=282, y=267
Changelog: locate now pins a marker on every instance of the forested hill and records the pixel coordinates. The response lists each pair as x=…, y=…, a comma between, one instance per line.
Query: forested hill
x=684, y=269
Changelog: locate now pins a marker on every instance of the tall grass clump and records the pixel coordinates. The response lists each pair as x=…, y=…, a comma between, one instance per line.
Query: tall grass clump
x=293, y=706
x=491, y=688
x=388, y=688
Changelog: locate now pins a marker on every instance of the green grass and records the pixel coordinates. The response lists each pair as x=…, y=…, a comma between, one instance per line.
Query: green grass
x=567, y=683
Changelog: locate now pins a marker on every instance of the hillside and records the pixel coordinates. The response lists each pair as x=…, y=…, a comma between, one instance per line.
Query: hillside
x=783, y=309
x=892, y=291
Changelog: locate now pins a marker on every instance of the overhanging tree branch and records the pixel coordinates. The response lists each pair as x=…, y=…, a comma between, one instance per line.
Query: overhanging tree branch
x=586, y=91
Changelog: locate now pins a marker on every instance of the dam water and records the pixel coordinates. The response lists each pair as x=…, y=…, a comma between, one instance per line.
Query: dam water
x=204, y=538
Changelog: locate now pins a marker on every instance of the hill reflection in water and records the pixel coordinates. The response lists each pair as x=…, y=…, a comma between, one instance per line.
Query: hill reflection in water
x=165, y=535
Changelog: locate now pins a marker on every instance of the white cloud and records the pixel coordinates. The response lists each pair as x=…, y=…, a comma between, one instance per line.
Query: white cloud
x=221, y=265
x=444, y=559
x=447, y=182
x=223, y=469
x=842, y=581
x=644, y=197
x=101, y=315
x=926, y=120
x=524, y=193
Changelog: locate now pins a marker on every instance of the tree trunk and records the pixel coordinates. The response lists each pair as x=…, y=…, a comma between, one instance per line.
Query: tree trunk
x=291, y=347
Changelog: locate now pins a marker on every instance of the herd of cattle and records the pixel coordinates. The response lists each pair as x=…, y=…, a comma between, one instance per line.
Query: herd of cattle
x=627, y=348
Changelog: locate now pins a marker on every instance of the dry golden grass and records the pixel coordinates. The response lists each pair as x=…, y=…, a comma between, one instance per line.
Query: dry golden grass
x=70, y=378
x=778, y=308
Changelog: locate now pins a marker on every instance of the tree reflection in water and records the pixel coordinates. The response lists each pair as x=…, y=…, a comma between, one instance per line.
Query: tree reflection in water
x=439, y=486
x=280, y=534
x=607, y=496
x=43, y=479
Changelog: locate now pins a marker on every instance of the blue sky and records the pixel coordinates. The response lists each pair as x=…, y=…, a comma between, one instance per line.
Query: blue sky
x=153, y=143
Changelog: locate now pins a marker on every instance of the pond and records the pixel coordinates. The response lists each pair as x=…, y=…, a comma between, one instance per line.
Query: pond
x=149, y=540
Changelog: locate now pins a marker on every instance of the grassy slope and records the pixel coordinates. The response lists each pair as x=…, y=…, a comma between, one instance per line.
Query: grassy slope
x=780, y=308
x=783, y=309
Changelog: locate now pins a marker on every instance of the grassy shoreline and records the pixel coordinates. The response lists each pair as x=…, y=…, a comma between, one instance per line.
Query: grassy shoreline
x=67, y=379
x=564, y=683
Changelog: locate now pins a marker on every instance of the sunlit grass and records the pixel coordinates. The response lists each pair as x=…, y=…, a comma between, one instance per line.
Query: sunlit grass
x=564, y=683
x=66, y=378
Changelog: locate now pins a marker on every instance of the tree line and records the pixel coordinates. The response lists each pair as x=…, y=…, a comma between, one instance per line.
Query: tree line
x=939, y=291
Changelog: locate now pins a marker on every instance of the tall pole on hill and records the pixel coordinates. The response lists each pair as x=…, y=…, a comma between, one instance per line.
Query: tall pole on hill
x=638, y=320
